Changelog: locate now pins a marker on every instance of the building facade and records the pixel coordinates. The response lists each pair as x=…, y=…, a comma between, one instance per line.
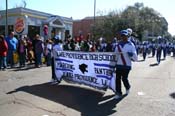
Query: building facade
x=29, y=22
x=83, y=27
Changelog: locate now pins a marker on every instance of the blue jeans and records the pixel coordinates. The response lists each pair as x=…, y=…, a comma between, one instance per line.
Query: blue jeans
x=3, y=63
x=38, y=59
x=22, y=59
x=10, y=58
x=48, y=59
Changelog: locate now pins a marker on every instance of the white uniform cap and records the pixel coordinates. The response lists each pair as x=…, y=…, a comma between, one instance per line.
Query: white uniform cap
x=129, y=31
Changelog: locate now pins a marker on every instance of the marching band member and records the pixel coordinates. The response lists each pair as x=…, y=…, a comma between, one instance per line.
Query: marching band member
x=153, y=48
x=56, y=47
x=173, y=49
x=130, y=37
x=144, y=50
x=158, y=52
x=126, y=53
x=164, y=47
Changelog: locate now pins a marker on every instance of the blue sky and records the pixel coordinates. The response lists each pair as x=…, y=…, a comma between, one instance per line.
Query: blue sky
x=78, y=9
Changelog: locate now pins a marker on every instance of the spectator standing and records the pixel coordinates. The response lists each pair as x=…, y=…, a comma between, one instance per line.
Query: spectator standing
x=22, y=52
x=47, y=51
x=12, y=43
x=30, y=53
x=3, y=53
x=38, y=51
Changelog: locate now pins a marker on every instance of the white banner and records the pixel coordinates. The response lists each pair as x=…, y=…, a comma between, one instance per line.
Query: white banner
x=95, y=69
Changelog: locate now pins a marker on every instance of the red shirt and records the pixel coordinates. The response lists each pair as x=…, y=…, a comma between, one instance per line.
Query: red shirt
x=3, y=48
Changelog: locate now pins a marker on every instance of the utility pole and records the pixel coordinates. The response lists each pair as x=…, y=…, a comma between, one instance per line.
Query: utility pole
x=94, y=19
x=94, y=10
x=6, y=21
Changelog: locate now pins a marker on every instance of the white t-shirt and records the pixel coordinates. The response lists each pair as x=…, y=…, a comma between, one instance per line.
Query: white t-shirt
x=128, y=47
x=56, y=47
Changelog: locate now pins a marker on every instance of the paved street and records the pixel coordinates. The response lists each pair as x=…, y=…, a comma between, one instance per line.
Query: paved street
x=26, y=92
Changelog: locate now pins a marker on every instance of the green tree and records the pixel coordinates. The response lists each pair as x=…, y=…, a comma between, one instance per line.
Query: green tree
x=144, y=21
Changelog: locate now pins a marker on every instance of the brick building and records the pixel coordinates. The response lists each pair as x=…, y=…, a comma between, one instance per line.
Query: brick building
x=83, y=27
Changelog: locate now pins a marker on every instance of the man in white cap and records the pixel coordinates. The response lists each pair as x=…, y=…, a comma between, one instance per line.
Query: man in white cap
x=126, y=52
x=131, y=38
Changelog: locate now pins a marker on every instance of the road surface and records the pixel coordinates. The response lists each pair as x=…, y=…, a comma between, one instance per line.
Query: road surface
x=26, y=92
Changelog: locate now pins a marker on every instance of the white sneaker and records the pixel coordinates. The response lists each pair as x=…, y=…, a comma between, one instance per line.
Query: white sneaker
x=127, y=91
x=53, y=82
x=117, y=96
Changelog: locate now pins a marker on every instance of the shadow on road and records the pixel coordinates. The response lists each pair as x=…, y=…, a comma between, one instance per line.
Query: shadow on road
x=84, y=100
x=27, y=67
x=163, y=59
x=23, y=68
x=172, y=95
x=155, y=64
x=141, y=60
x=150, y=56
